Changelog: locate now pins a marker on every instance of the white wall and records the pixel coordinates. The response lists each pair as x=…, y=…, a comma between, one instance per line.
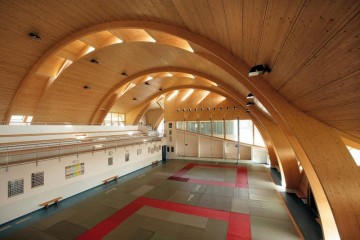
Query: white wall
x=96, y=170
x=259, y=154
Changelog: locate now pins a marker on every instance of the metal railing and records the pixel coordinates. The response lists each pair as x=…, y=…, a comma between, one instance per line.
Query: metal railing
x=16, y=154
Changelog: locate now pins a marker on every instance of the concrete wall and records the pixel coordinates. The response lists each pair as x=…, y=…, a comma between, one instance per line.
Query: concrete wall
x=55, y=184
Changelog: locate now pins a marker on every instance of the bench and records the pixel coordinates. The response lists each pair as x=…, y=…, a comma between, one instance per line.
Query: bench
x=46, y=204
x=113, y=178
x=154, y=163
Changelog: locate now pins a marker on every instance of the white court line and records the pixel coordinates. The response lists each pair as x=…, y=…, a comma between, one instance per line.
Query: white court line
x=191, y=196
x=97, y=188
x=4, y=228
x=23, y=220
x=141, y=176
x=197, y=187
x=113, y=189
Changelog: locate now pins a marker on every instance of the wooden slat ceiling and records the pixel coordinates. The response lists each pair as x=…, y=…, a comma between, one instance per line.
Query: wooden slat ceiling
x=311, y=46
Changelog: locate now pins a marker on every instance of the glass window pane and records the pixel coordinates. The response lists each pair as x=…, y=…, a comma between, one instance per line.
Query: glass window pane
x=258, y=140
x=205, y=128
x=17, y=118
x=246, y=131
x=231, y=130
x=29, y=119
x=181, y=125
x=218, y=129
x=192, y=126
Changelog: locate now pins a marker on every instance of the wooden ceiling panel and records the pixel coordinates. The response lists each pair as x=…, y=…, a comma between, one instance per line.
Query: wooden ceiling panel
x=279, y=18
x=254, y=13
x=341, y=92
x=328, y=65
x=318, y=23
x=339, y=112
x=31, y=95
x=296, y=38
x=233, y=11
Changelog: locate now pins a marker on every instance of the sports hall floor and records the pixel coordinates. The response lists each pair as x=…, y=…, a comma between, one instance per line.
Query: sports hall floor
x=178, y=200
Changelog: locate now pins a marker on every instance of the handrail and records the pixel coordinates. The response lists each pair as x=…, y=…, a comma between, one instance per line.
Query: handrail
x=11, y=155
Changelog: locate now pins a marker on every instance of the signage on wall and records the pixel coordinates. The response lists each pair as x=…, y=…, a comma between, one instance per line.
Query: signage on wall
x=74, y=170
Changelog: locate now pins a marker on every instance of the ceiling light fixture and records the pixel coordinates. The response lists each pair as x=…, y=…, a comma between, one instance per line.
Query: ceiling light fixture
x=124, y=74
x=134, y=99
x=34, y=36
x=160, y=89
x=250, y=96
x=250, y=104
x=94, y=61
x=258, y=70
x=86, y=87
x=147, y=83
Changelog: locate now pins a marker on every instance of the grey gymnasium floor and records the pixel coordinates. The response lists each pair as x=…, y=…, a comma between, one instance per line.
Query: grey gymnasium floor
x=269, y=218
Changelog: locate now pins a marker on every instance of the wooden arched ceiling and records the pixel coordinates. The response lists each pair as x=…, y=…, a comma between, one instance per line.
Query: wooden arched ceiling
x=312, y=47
x=66, y=96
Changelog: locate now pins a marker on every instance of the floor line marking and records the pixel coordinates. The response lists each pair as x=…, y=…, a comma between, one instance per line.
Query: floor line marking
x=238, y=228
x=4, y=228
x=23, y=220
x=113, y=189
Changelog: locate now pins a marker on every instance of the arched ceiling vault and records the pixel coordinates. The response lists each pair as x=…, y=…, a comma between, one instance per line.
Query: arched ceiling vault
x=199, y=78
x=311, y=46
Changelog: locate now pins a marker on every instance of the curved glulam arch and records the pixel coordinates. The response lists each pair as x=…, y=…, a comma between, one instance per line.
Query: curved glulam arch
x=338, y=213
x=112, y=95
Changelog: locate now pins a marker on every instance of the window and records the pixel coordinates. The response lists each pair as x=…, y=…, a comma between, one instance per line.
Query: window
x=114, y=119
x=258, y=140
x=205, y=128
x=127, y=156
x=246, y=131
x=231, y=129
x=355, y=153
x=192, y=126
x=181, y=125
x=20, y=120
x=37, y=179
x=218, y=129
x=110, y=161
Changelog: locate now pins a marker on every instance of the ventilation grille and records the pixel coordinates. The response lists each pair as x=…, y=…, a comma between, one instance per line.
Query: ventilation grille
x=15, y=187
x=37, y=179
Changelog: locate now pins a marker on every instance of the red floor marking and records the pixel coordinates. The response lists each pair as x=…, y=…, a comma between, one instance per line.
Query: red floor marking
x=183, y=208
x=238, y=228
x=240, y=182
x=107, y=225
x=242, y=178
